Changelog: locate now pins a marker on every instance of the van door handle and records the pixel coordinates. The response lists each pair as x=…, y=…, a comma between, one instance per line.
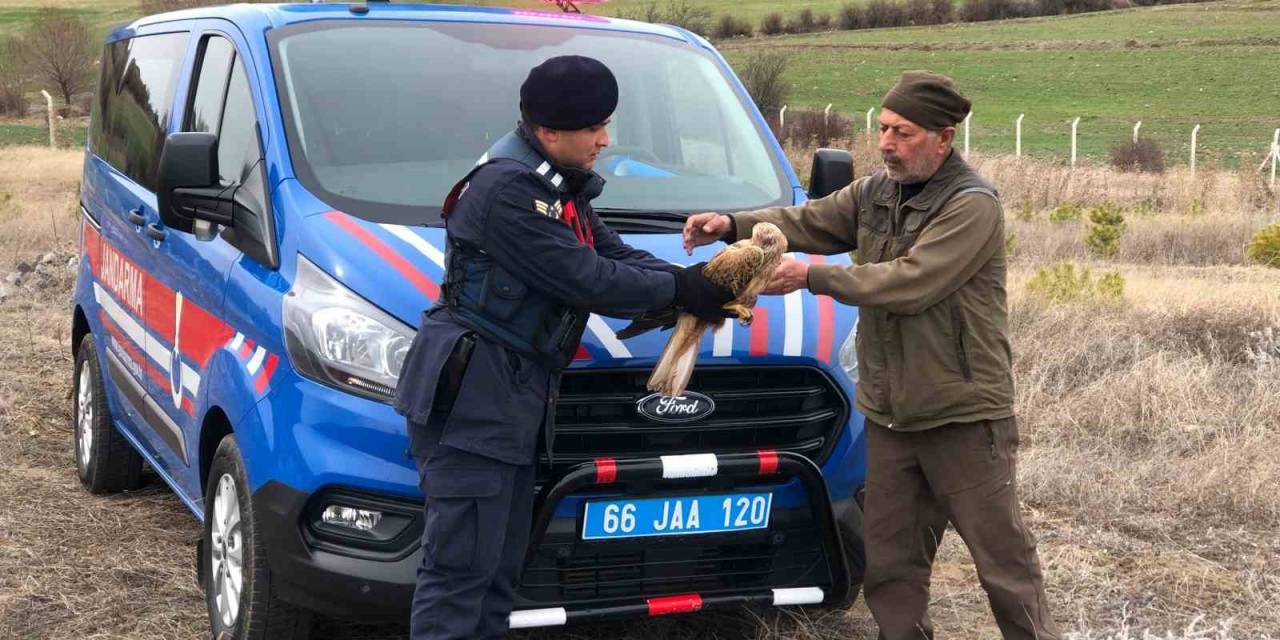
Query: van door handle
x=155, y=232
x=136, y=217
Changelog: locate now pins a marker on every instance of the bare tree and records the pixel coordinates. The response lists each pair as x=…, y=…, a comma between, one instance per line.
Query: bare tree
x=13, y=79
x=60, y=51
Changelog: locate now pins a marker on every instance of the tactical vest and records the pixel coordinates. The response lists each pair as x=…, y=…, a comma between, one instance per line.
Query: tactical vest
x=486, y=298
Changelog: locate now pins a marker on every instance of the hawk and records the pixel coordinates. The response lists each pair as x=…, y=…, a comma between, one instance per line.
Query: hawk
x=745, y=268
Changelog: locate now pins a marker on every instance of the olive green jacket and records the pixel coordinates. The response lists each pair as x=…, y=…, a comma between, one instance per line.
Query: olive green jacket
x=932, y=337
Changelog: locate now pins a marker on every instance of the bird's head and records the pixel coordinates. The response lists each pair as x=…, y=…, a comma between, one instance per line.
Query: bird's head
x=768, y=236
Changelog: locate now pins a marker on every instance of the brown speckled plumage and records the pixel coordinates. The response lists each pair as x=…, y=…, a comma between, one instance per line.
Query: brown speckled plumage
x=745, y=268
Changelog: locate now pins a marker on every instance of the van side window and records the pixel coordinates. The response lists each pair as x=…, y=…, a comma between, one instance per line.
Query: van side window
x=238, y=141
x=222, y=104
x=205, y=115
x=135, y=98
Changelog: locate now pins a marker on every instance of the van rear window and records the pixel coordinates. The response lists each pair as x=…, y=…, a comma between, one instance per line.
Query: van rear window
x=385, y=134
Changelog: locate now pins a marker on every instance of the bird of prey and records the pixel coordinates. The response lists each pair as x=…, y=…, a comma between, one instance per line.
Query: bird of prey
x=744, y=268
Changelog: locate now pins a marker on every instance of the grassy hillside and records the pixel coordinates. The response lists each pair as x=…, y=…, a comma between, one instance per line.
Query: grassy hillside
x=101, y=14
x=1170, y=67
x=108, y=12
x=750, y=10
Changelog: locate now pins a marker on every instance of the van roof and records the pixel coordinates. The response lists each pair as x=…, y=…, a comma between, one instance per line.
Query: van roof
x=252, y=17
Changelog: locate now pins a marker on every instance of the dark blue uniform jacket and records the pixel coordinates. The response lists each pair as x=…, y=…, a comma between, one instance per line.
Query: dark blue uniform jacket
x=505, y=396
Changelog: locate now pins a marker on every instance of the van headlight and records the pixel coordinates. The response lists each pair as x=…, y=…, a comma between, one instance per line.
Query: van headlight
x=337, y=338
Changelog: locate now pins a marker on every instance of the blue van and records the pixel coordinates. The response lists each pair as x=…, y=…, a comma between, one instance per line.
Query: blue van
x=261, y=232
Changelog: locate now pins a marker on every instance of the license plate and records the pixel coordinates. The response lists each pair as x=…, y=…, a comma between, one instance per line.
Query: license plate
x=676, y=516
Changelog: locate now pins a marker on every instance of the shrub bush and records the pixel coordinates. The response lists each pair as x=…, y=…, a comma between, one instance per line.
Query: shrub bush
x=764, y=75
x=1106, y=226
x=883, y=14
x=943, y=11
x=1065, y=281
x=1061, y=282
x=811, y=127
x=1111, y=286
x=731, y=27
x=687, y=15
x=681, y=13
x=12, y=102
x=772, y=24
x=852, y=16
x=922, y=12
x=804, y=22
x=1144, y=155
x=1264, y=249
x=1066, y=212
x=985, y=10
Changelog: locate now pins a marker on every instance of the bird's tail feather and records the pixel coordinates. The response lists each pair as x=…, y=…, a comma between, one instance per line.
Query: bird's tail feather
x=675, y=367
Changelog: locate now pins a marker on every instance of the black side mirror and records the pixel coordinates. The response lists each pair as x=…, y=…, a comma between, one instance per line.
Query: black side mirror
x=832, y=171
x=188, y=187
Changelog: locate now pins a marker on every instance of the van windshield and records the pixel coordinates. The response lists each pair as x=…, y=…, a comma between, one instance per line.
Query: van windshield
x=384, y=118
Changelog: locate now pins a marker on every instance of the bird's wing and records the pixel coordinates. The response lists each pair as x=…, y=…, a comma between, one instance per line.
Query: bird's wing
x=662, y=319
x=735, y=266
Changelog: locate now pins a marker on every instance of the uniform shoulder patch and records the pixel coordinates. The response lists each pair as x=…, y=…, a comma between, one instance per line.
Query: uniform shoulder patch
x=552, y=209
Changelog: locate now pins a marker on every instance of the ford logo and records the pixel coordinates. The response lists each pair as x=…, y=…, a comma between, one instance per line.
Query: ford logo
x=686, y=408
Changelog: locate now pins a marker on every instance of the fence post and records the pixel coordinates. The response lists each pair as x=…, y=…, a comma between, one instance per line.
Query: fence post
x=53, y=133
x=966, y=134
x=826, y=118
x=782, y=119
x=1136, y=127
x=869, y=112
x=1194, y=133
x=1275, y=156
x=1017, y=127
x=1075, y=124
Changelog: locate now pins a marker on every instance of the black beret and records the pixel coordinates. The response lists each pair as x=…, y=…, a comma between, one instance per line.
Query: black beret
x=927, y=99
x=569, y=93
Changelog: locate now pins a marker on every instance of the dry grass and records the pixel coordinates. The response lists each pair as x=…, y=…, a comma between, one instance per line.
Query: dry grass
x=39, y=196
x=1151, y=445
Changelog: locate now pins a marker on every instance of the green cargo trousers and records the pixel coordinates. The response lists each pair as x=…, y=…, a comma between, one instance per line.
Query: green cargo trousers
x=964, y=474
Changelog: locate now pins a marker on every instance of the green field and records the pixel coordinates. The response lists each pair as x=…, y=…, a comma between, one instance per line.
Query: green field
x=105, y=13
x=100, y=14
x=1171, y=67
x=12, y=134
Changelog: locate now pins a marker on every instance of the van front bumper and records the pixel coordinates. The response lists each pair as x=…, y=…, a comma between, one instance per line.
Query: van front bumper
x=372, y=580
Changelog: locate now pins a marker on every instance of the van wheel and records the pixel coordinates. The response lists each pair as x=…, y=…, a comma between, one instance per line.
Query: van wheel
x=105, y=461
x=237, y=583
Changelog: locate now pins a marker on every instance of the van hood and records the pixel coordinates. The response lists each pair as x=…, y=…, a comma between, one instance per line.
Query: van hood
x=399, y=268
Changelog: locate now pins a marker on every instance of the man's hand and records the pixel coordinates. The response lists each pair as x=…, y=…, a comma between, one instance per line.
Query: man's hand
x=791, y=275
x=704, y=228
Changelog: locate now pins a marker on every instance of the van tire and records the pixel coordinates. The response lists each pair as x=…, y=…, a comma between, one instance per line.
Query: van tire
x=255, y=611
x=105, y=461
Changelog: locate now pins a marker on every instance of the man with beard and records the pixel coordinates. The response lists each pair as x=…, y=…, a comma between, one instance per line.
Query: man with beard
x=934, y=360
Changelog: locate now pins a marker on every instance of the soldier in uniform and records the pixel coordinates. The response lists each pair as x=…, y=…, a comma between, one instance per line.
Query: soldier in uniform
x=528, y=261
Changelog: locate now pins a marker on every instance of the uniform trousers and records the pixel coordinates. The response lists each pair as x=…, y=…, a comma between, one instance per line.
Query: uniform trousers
x=478, y=513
